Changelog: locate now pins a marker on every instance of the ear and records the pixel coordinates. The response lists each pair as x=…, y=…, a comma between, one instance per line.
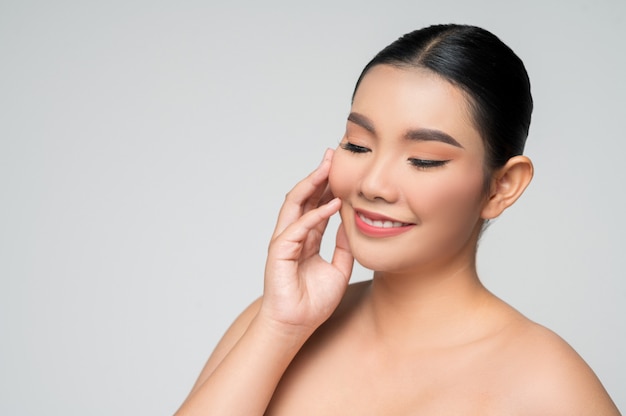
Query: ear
x=507, y=184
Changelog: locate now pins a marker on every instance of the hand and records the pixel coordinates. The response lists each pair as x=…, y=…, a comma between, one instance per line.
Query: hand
x=302, y=289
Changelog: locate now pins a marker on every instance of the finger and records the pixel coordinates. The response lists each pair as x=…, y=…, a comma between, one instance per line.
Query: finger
x=318, y=232
x=319, y=198
x=310, y=188
x=326, y=196
x=289, y=244
x=314, y=239
x=322, y=194
x=343, y=259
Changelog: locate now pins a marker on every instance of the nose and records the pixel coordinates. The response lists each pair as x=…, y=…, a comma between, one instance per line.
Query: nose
x=378, y=181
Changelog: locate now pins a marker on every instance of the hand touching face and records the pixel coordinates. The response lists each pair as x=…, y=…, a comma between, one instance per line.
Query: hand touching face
x=409, y=170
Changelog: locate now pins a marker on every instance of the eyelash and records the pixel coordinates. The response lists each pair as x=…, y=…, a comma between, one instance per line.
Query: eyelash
x=418, y=163
x=426, y=163
x=351, y=147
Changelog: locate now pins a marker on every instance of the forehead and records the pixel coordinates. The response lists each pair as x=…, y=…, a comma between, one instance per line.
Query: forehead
x=398, y=99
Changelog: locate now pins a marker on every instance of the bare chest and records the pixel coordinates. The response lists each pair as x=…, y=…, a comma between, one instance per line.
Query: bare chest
x=340, y=382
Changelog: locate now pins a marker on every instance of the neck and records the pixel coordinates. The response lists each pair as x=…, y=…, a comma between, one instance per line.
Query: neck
x=427, y=309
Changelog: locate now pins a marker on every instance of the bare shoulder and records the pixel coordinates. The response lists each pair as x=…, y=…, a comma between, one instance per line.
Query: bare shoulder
x=552, y=377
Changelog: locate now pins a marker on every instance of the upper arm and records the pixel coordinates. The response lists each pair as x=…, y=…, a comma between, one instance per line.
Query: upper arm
x=228, y=341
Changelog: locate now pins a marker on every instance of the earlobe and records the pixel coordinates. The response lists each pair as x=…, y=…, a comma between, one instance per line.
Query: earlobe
x=508, y=183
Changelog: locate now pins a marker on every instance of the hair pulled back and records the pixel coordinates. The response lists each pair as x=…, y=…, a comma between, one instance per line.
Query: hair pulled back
x=491, y=74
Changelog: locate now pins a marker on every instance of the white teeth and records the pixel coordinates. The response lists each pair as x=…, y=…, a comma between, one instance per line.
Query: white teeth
x=380, y=224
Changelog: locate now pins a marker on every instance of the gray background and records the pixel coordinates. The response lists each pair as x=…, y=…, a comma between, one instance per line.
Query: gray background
x=146, y=146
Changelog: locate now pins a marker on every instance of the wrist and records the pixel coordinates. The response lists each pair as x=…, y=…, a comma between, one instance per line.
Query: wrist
x=283, y=333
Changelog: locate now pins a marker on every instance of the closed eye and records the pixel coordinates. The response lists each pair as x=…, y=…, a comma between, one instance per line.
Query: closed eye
x=427, y=163
x=351, y=147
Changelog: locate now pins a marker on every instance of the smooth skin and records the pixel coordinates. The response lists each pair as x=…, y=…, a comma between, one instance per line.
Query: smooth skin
x=423, y=337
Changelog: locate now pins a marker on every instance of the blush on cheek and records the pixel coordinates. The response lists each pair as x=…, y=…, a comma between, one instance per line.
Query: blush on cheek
x=338, y=183
x=465, y=195
x=334, y=177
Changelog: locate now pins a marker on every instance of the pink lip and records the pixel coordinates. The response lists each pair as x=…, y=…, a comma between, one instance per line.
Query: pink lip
x=372, y=231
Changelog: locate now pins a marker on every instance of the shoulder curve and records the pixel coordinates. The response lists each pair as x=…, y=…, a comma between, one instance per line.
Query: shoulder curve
x=556, y=379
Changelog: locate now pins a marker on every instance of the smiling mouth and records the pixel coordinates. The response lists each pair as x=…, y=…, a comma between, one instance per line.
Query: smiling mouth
x=382, y=223
x=380, y=226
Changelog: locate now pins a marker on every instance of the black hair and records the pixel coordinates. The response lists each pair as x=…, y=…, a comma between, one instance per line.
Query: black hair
x=488, y=71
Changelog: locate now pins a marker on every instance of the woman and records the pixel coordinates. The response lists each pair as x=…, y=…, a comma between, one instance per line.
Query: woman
x=432, y=150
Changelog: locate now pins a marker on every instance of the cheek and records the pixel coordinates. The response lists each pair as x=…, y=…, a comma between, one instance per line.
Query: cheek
x=339, y=178
x=456, y=196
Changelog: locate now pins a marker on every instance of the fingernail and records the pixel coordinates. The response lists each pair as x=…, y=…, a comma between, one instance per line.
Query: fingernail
x=335, y=202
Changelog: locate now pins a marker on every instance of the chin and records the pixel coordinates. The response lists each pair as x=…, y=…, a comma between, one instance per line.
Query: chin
x=381, y=254
x=377, y=259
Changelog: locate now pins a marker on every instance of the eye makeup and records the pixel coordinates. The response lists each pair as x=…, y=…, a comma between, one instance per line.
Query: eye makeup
x=351, y=147
x=427, y=163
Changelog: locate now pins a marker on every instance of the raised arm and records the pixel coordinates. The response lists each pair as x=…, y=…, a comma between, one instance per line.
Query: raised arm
x=301, y=290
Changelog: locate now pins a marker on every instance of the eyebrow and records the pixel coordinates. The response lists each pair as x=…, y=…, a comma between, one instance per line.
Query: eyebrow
x=420, y=135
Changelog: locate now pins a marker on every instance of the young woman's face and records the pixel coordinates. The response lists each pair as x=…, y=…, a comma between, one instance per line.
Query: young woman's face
x=410, y=172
